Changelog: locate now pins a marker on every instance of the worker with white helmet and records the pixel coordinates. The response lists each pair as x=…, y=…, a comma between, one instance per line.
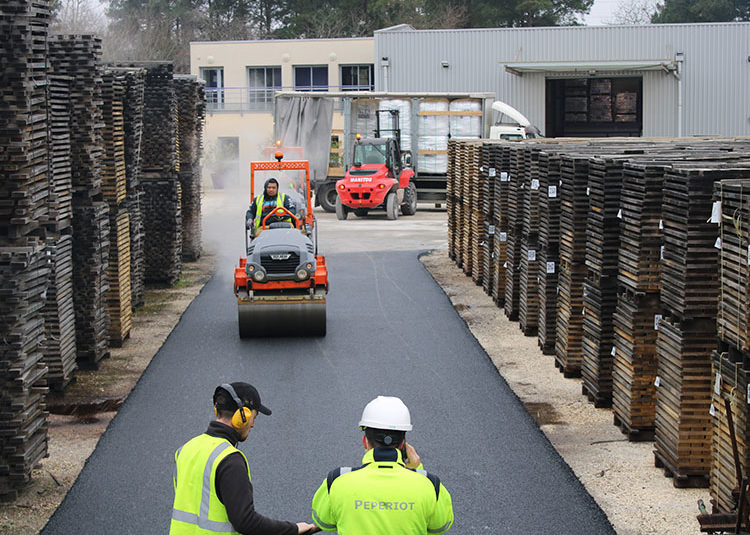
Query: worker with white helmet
x=390, y=493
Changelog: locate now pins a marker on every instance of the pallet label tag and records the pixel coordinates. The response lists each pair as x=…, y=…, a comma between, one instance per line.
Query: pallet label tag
x=550, y=267
x=534, y=183
x=503, y=236
x=712, y=410
x=657, y=317
x=504, y=176
x=716, y=213
x=532, y=254
x=619, y=214
x=492, y=172
x=588, y=192
x=717, y=244
x=661, y=224
x=661, y=254
x=657, y=381
x=492, y=230
x=748, y=394
x=748, y=255
x=614, y=351
x=552, y=192
x=717, y=384
x=505, y=265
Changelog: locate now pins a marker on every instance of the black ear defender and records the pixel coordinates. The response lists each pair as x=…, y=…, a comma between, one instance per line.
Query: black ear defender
x=239, y=418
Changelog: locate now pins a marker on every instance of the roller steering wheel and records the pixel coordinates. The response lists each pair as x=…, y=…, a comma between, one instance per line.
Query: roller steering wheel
x=280, y=211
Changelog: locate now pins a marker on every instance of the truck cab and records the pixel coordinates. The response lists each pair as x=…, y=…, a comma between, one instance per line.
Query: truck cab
x=380, y=177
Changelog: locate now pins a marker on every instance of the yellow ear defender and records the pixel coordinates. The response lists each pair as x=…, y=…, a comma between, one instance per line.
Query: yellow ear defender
x=241, y=417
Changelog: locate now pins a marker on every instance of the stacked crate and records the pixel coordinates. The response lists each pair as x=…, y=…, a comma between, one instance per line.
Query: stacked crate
x=135, y=79
x=489, y=173
x=500, y=158
x=114, y=186
x=528, y=304
x=573, y=215
x=638, y=307
x=548, y=251
x=516, y=192
x=27, y=214
x=451, y=198
x=477, y=218
x=600, y=285
x=731, y=363
x=162, y=216
x=77, y=57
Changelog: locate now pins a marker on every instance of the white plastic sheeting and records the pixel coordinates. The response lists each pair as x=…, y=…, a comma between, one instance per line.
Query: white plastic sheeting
x=363, y=117
x=465, y=126
x=433, y=135
x=404, y=118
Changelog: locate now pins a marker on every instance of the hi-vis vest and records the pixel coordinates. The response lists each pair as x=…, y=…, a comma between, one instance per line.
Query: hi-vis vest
x=259, y=208
x=197, y=509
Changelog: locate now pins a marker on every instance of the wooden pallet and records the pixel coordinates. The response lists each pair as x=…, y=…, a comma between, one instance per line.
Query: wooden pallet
x=528, y=299
x=119, y=307
x=599, y=303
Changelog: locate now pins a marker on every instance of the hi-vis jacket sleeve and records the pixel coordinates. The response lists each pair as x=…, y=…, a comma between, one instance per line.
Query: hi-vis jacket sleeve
x=442, y=518
x=321, y=509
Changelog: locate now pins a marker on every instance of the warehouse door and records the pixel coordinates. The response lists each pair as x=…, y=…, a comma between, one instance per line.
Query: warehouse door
x=594, y=107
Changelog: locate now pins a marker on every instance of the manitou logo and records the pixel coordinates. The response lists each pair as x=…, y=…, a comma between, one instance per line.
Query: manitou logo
x=281, y=256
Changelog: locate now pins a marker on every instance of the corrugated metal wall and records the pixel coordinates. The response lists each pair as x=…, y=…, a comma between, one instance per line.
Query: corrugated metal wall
x=716, y=73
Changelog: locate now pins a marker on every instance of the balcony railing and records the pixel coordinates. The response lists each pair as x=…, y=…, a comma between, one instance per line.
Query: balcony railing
x=251, y=99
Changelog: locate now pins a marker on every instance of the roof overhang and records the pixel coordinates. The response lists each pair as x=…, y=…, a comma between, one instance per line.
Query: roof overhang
x=590, y=67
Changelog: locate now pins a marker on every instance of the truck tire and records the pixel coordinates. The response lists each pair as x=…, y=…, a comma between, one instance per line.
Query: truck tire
x=410, y=200
x=326, y=197
x=341, y=211
x=391, y=206
x=361, y=212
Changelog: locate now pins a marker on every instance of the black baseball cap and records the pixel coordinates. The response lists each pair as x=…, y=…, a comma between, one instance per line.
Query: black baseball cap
x=248, y=395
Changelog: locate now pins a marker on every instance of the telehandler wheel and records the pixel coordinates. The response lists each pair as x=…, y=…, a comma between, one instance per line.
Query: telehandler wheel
x=410, y=200
x=361, y=212
x=341, y=211
x=391, y=206
x=326, y=197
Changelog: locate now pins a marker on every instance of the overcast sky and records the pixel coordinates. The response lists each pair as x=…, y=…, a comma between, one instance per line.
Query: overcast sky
x=601, y=12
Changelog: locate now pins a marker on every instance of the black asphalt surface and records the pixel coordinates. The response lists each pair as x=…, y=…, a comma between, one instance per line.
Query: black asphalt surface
x=391, y=331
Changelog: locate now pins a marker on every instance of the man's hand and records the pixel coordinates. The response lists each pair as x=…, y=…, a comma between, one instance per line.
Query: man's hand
x=304, y=527
x=413, y=456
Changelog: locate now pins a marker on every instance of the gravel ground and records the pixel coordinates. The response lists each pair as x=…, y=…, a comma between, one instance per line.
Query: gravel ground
x=620, y=475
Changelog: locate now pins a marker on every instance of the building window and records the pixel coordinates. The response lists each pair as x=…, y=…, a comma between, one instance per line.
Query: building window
x=261, y=83
x=357, y=78
x=311, y=78
x=214, y=77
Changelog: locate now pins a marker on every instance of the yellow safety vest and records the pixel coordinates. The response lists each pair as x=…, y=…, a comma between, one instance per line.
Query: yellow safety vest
x=259, y=208
x=382, y=497
x=197, y=509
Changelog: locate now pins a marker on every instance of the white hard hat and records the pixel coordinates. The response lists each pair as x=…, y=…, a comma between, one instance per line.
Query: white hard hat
x=386, y=412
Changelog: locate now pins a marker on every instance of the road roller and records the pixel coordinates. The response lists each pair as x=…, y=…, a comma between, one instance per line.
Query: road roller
x=281, y=283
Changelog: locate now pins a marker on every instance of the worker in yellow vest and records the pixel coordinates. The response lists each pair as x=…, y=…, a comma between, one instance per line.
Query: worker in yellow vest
x=267, y=202
x=213, y=492
x=390, y=493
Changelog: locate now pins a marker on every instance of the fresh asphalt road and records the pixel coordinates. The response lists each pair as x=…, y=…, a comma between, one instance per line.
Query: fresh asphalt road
x=392, y=331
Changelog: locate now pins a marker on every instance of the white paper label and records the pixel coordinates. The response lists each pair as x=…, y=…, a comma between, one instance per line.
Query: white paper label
x=504, y=177
x=588, y=192
x=532, y=254
x=492, y=172
x=716, y=213
x=503, y=236
x=748, y=255
x=661, y=254
x=583, y=311
x=712, y=410
x=657, y=317
x=491, y=230
x=614, y=351
x=552, y=192
x=657, y=381
x=748, y=394
x=619, y=214
x=505, y=264
x=534, y=183
x=661, y=224
x=717, y=244
x=550, y=267
x=717, y=384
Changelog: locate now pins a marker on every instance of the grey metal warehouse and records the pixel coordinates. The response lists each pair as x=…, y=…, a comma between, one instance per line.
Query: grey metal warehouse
x=653, y=80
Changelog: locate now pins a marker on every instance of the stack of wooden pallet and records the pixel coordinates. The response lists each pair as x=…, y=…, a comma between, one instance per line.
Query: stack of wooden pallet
x=476, y=221
x=135, y=79
x=78, y=57
x=60, y=200
x=489, y=173
x=516, y=192
x=549, y=249
x=529, y=267
x=573, y=215
x=27, y=213
x=461, y=204
x=162, y=216
x=600, y=285
x=114, y=186
x=500, y=211
x=687, y=334
x=191, y=113
x=451, y=202
x=638, y=308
